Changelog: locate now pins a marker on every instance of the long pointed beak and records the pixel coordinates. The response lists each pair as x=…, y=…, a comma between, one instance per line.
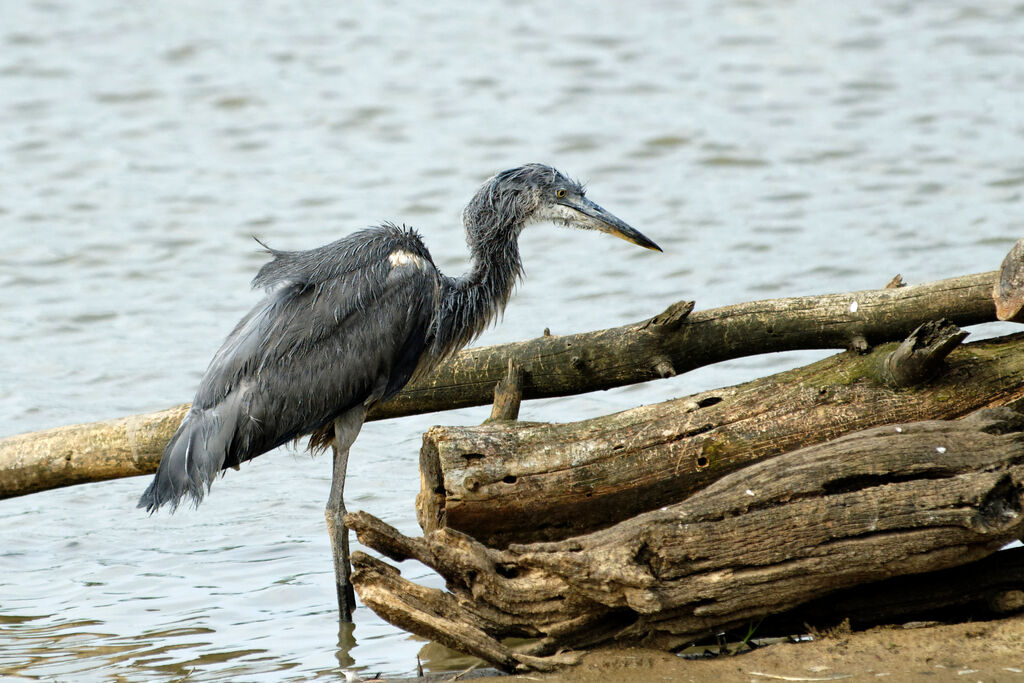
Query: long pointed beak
x=593, y=216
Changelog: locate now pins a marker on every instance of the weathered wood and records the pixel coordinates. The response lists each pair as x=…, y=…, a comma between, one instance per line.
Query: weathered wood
x=920, y=356
x=508, y=394
x=896, y=281
x=874, y=504
x=429, y=611
x=667, y=344
x=1008, y=291
x=78, y=454
x=677, y=341
x=987, y=589
x=537, y=481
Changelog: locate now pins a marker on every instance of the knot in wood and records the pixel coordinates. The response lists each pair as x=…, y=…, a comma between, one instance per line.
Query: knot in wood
x=672, y=317
x=1001, y=507
x=664, y=368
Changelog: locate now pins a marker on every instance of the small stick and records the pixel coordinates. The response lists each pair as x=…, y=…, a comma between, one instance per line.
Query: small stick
x=508, y=394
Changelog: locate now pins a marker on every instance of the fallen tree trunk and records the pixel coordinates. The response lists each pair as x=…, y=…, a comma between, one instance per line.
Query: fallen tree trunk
x=520, y=482
x=987, y=589
x=678, y=341
x=83, y=453
x=667, y=344
x=868, y=506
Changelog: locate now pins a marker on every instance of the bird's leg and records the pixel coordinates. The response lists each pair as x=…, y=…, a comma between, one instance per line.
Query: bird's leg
x=346, y=429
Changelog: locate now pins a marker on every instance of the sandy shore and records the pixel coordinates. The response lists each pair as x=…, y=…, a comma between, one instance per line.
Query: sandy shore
x=984, y=651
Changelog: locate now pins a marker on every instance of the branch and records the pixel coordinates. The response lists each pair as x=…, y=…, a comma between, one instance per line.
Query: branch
x=677, y=341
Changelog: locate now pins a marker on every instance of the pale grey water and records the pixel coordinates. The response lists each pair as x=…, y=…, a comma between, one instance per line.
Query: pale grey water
x=772, y=148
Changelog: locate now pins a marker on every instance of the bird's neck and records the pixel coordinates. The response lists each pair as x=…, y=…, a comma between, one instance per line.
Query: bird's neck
x=471, y=302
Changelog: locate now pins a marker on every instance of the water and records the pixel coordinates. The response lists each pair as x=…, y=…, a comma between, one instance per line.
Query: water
x=772, y=148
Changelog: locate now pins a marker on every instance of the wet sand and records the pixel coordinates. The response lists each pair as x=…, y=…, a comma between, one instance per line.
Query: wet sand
x=982, y=651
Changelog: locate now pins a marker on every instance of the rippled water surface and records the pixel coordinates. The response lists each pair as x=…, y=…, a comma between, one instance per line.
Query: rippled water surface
x=772, y=148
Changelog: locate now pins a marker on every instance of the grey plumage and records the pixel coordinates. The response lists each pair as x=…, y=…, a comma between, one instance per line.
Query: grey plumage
x=349, y=324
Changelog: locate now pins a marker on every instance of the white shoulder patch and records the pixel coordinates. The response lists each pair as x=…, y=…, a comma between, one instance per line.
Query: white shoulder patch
x=405, y=258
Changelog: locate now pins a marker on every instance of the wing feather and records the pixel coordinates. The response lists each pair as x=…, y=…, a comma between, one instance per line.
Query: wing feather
x=340, y=325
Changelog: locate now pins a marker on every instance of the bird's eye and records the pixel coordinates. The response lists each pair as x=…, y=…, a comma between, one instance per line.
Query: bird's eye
x=560, y=193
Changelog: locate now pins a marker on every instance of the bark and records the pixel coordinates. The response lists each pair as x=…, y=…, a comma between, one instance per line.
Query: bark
x=677, y=341
x=1008, y=291
x=79, y=454
x=920, y=357
x=508, y=395
x=670, y=343
x=868, y=506
x=531, y=481
x=988, y=589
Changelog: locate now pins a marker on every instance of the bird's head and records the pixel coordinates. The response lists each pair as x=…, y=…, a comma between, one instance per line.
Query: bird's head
x=538, y=193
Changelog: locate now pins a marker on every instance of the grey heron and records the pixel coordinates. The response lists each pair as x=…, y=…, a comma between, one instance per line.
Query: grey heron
x=347, y=325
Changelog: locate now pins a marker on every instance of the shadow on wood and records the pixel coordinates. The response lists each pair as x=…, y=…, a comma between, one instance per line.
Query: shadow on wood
x=987, y=589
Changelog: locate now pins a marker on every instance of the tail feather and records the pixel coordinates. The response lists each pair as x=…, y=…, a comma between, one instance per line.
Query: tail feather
x=192, y=459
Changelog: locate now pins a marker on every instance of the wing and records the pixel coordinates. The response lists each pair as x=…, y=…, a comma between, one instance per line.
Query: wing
x=341, y=325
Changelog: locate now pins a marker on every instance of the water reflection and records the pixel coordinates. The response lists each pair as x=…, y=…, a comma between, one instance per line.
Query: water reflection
x=72, y=648
x=346, y=643
x=437, y=657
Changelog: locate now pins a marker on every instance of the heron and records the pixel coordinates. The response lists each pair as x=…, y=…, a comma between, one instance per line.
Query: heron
x=345, y=326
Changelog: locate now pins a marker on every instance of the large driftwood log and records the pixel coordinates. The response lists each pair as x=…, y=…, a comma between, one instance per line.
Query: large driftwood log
x=664, y=345
x=865, y=507
x=528, y=481
x=987, y=589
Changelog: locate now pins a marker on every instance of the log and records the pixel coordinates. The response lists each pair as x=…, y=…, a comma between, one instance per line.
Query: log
x=991, y=588
x=679, y=340
x=874, y=504
x=667, y=344
x=1008, y=291
x=535, y=481
x=79, y=454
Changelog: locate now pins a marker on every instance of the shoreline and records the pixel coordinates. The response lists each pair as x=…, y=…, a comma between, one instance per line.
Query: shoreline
x=973, y=651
